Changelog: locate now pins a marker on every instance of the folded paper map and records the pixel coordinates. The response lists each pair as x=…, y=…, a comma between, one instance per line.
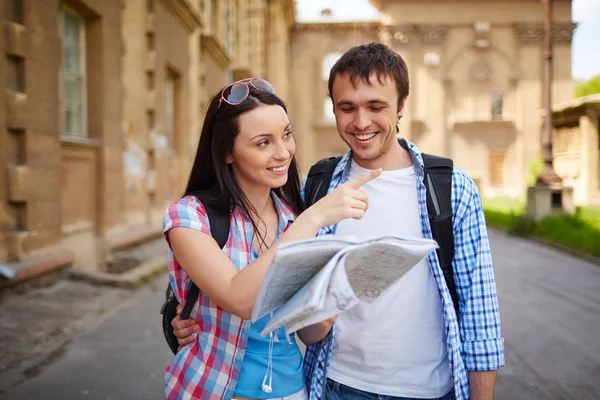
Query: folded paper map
x=312, y=280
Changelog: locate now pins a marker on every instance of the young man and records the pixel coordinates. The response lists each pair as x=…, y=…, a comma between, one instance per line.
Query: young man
x=408, y=344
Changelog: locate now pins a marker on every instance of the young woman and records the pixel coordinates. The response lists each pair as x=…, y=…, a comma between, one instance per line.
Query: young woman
x=244, y=166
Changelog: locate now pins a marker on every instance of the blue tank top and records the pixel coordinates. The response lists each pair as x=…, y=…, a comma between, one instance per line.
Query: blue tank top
x=287, y=372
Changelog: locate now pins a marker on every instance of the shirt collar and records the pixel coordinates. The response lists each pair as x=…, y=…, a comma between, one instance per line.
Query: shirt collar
x=343, y=168
x=285, y=213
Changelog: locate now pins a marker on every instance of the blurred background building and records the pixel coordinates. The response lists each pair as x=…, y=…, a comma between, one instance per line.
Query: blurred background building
x=104, y=103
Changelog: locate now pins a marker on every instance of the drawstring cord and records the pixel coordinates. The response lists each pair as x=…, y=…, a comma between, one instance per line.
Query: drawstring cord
x=269, y=388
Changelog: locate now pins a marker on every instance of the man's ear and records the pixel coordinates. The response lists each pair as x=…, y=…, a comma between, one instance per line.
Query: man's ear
x=401, y=110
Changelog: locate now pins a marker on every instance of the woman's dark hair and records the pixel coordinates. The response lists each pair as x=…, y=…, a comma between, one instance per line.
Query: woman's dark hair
x=212, y=179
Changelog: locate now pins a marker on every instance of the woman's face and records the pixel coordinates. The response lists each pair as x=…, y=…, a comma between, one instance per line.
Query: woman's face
x=263, y=149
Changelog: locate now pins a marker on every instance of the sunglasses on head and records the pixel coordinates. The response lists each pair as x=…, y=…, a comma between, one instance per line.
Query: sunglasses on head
x=237, y=92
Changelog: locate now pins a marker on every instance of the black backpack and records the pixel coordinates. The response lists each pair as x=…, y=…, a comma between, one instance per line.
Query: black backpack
x=438, y=180
x=219, y=230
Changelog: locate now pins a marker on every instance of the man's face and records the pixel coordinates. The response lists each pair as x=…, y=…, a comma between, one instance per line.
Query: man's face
x=366, y=116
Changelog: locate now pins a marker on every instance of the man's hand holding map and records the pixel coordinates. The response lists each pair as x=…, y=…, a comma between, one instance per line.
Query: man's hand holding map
x=315, y=279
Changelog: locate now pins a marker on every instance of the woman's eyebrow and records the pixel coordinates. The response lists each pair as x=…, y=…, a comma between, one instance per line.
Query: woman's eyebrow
x=270, y=134
x=261, y=135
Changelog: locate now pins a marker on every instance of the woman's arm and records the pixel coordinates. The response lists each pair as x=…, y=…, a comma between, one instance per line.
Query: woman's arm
x=236, y=291
x=215, y=274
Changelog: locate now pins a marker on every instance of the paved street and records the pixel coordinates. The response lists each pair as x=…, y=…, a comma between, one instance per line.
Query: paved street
x=124, y=358
x=550, y=306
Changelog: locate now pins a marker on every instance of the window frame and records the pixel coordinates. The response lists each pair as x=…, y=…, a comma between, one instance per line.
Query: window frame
x=64, y=9
x=171, y=102
x=493, y=96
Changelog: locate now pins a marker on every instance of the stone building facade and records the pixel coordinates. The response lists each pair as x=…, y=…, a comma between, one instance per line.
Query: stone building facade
x=102, y=110
x=104, y=102
x=476, y=74
x=576, y=147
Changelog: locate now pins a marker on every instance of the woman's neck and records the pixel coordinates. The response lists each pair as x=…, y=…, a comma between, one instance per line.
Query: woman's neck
x=259, y=200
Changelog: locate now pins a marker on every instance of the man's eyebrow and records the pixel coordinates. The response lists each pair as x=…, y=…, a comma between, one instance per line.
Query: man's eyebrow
x=377, y=101
x=370, y=102
x=270, y=134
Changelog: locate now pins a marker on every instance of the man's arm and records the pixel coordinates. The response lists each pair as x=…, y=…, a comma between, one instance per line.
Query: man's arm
x=481, y=338
x=184, y=329
x=316, y=332
x=481, y=384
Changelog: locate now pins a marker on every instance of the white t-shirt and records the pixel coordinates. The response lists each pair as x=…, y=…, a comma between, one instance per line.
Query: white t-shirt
x=397, y=345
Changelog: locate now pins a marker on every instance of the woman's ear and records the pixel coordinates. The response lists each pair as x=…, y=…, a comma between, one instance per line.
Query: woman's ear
x=229, y=159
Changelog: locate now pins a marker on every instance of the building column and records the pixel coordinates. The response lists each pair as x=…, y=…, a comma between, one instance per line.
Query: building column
x=590, y=157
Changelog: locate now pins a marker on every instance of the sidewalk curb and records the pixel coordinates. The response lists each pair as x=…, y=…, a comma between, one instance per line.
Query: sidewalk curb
x=130, y=279
x=575, y=253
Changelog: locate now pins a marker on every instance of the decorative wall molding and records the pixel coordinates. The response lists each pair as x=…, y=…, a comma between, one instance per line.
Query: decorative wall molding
x=562, y=32
x=397, y=34
x=185, y=13
x=215, y=49
x=432, y=34
x=480, y=70
x=16, y=39
x=404, y=33
x=367, y=26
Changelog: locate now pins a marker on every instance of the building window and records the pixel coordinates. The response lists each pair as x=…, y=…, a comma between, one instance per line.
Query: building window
x=328, y=62
x=497, y=162
x=73, y=72
x=497, y=106
x=171, y=87
x=328, y=115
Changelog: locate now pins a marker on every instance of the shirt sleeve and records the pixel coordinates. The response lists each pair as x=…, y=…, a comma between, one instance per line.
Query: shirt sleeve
x=482, y=342
x=187, y=212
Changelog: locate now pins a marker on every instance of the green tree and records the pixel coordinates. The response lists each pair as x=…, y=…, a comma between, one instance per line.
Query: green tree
x=585, y=88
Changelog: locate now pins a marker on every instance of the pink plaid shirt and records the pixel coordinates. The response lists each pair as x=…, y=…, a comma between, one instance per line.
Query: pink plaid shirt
x=208, y=368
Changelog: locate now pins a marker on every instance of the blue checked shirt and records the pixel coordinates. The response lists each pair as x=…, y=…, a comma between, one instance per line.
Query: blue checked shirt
x=473, y=345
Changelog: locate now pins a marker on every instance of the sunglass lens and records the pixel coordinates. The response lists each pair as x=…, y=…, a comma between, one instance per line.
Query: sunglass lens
x=237, y=93
x=263, y=85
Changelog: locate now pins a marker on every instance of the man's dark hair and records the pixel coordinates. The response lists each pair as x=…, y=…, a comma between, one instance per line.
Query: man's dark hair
x=362, y=61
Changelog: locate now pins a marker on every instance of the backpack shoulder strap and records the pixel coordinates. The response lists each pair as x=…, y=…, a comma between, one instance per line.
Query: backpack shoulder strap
x=318, y=179
x=219, y=230
x=219, y=225
x=438, y=181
